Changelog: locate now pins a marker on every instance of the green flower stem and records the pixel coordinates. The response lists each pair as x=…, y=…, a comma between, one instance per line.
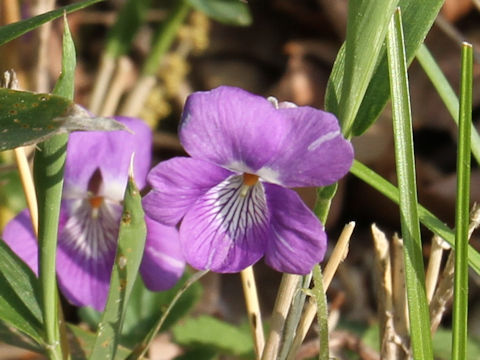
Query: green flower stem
x=405, y=161
x=460, y=301
x=48, y=173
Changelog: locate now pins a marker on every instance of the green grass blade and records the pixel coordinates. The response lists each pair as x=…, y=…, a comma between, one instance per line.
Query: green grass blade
x=14, y=30
x=428, y=219
x=462, y=219
x=48, y=175
x=129, y=20
x=322, y=312
x=366, y=28
x=131, y=243
x=446, y=93
x=405, y=164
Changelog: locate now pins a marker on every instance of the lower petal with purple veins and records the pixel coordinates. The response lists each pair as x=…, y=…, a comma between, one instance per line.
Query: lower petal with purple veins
x=226, y=229
x=297, y=239
x=86, y=252
x=177, y=184
x=162, y=263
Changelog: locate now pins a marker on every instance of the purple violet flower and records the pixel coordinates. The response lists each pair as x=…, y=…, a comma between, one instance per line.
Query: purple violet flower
x=96, y=173
x=231, y=196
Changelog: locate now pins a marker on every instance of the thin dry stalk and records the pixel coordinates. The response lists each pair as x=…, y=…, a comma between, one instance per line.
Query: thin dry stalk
x=42, y=81
x=389, y=349
x=106, y=70
x=253, y=309
x=443, y=295
x=135, y=101
x=10, y=81
x=400, y=315
x=119, y=84
x=286, y=291
x=338, y=255
x=433, y=269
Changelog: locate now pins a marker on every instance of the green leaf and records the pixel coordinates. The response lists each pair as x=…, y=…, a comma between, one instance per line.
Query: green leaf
x=27, y=118
x=462, y=214
x=434, y=224
x=131, y=243
x=129, y=20
x=366, y=28
x=19, y=306
x=206, y=330
x=82, y=342
x=12, y=336
x=405, y=164
x=232, y=12
x=21, y=279
x=14, y=30
x=418, y=17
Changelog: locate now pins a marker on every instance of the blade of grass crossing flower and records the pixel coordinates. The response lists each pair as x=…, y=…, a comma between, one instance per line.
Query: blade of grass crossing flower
x=462, y=216
x=14, y=30
x=405, y=164
x=131, y=243
x=434, y=224
x=366, y=28
x=446, y=92
x=48, y=174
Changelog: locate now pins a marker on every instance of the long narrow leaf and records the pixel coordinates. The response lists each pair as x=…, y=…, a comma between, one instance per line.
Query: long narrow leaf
x=428, y=219
x=366, y=28
x=14, y=30
x=405, y=163
x=462, y=219
x=131, y=242
x=48, y=175
x=446, y=92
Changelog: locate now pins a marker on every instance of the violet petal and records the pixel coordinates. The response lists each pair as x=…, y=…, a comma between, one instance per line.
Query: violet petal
x=111, y=152
x=229, y=126
x=162, y=263
x=225, y=231
x=297, y=239
x=315, y=153
x=18, y=235
x=177, y=184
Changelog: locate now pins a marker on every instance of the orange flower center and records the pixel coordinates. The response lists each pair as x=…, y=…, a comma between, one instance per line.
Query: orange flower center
x=96, y=201
x=249, y=179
